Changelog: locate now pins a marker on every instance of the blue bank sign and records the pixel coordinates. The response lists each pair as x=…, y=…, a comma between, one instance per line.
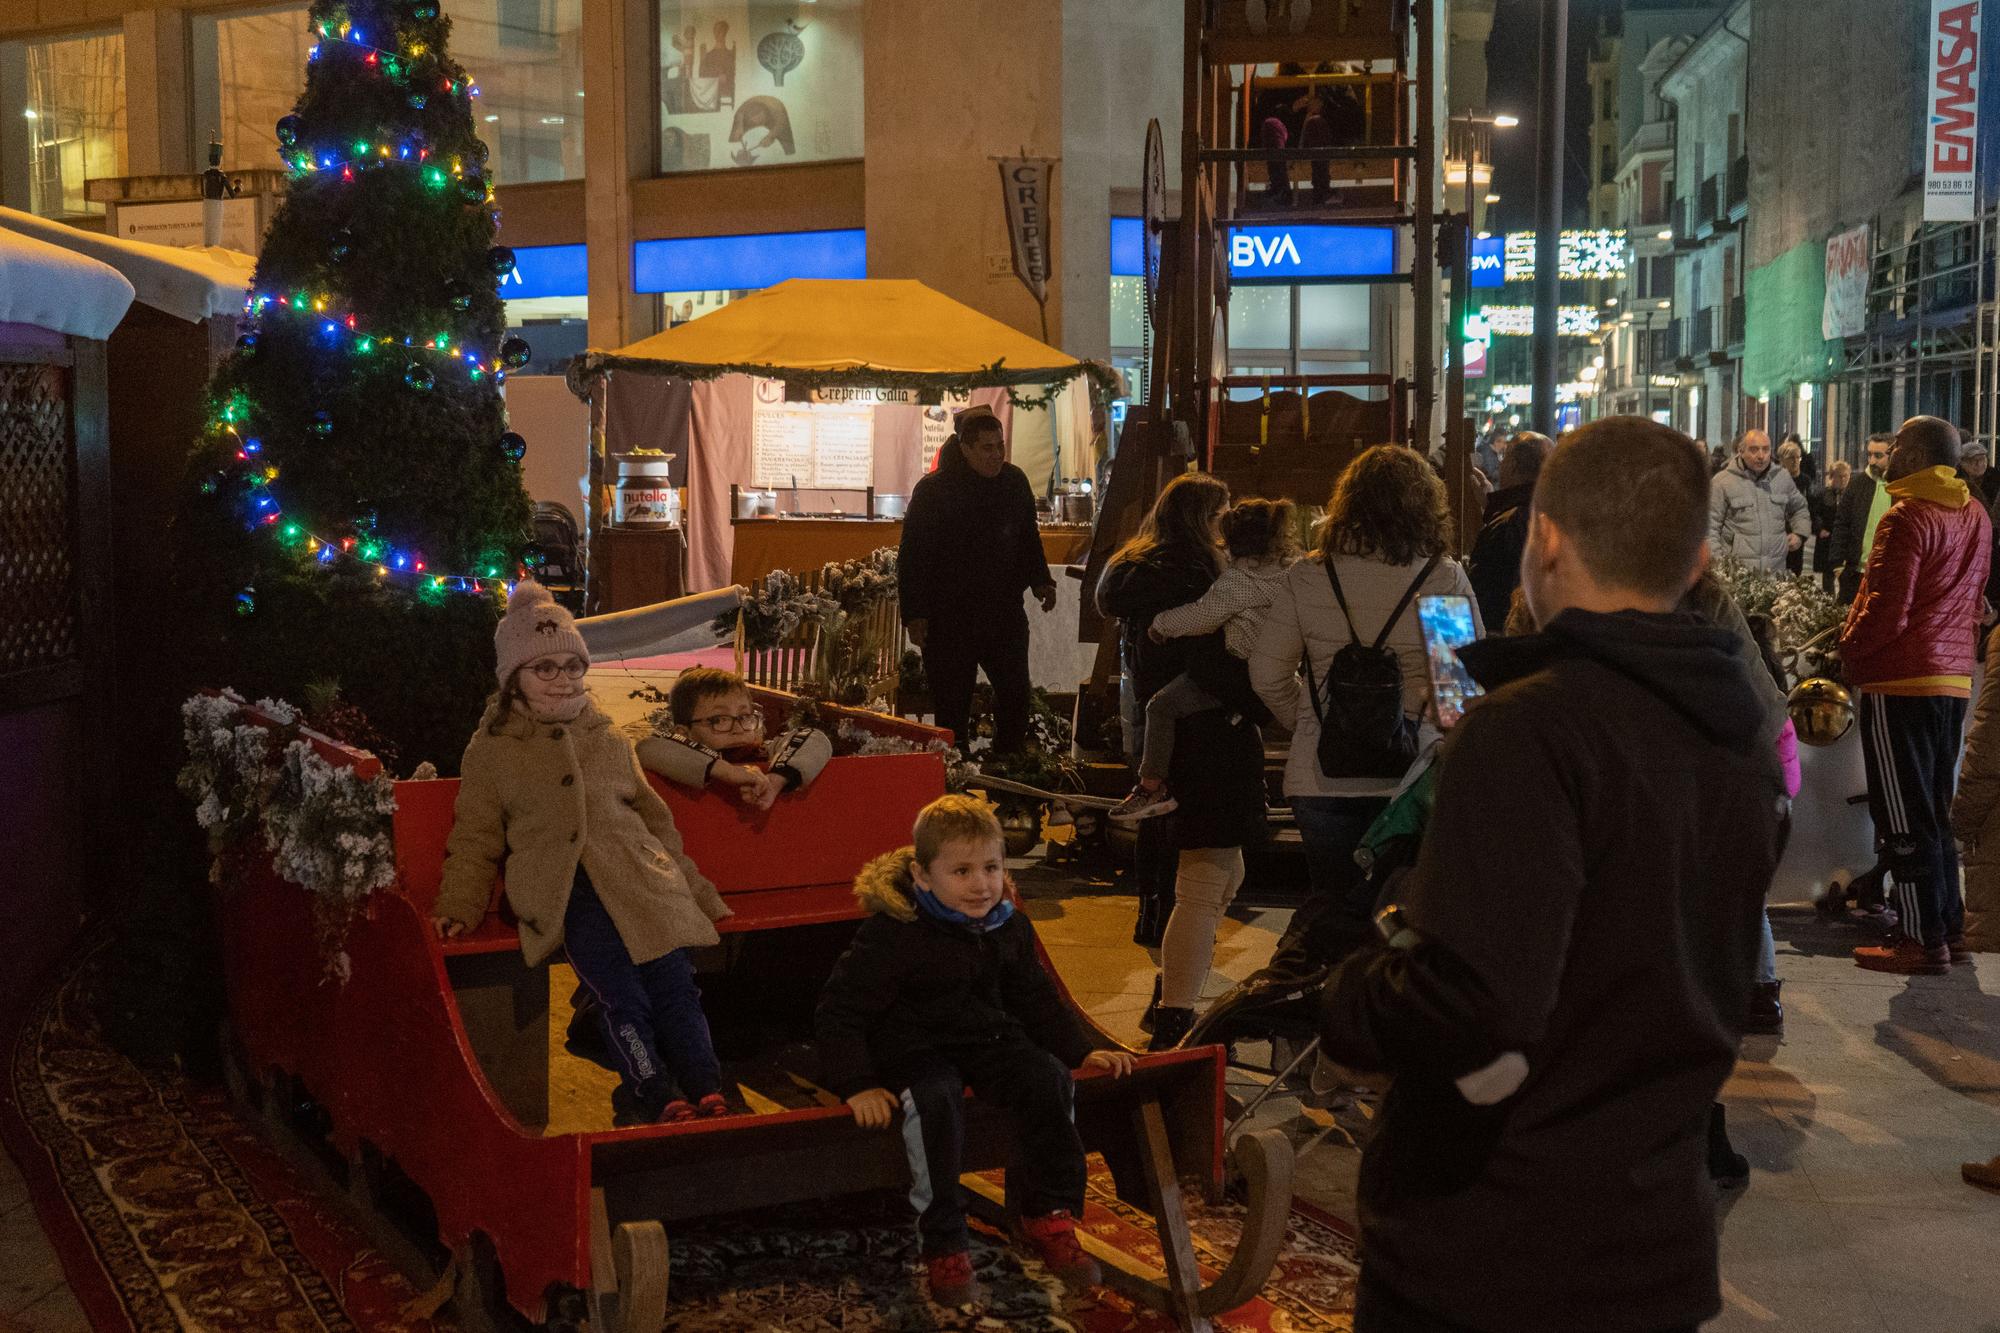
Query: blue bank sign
x=695, y=263
x=1489, y=262
x=1305, y=252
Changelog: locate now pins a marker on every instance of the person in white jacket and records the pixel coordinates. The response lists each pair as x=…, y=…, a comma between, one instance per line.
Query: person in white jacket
x=1756, y=514
x=1387, y=527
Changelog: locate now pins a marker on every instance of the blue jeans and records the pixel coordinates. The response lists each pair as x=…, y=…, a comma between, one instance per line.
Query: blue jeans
x=1336, y=917
x=651, y=1012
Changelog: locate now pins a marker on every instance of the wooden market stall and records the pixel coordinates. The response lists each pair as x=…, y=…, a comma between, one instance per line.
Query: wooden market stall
x=807, y=411
x=56, y=310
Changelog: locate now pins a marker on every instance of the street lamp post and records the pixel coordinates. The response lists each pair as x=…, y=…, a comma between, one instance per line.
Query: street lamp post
x=1458, y=446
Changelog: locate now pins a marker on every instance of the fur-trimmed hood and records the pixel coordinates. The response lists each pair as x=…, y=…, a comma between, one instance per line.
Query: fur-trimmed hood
x=887, y=886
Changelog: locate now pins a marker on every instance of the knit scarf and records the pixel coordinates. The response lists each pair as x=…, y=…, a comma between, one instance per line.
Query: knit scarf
x=995, y=918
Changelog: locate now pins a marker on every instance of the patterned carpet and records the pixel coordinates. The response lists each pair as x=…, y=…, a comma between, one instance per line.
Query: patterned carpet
x=171, y=1212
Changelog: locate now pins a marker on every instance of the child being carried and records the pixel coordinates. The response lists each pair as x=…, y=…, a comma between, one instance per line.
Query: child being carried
x=1262, y=546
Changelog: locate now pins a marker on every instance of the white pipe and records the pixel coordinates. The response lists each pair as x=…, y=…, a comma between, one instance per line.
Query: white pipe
x=683, y=625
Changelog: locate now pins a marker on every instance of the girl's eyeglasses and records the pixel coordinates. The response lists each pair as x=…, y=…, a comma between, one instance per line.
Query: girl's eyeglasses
x=573, y=669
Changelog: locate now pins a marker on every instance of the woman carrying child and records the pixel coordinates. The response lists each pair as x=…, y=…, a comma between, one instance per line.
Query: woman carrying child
x=594, y=865
x=1261, y=544
x=1191, y=863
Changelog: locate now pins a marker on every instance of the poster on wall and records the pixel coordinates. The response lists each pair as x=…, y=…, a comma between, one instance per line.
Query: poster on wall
x=1845, y=313
x=809, y=446
x=747, y=83
x=1951, y=129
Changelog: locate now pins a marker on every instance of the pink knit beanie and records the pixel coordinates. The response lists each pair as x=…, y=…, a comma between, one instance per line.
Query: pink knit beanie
x=534, y=626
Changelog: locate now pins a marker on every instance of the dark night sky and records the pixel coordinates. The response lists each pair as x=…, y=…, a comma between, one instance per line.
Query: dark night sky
x=1512, y=85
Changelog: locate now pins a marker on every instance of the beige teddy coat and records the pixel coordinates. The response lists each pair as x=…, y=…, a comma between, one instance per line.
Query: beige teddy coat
x=546, y=796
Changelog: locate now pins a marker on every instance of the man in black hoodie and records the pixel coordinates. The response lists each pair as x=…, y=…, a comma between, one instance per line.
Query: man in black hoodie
x=970, y=548
x=1495, y=565
x=1569, y=963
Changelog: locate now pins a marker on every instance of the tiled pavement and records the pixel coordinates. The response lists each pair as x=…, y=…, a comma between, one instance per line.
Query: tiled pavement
x=1855, y=1123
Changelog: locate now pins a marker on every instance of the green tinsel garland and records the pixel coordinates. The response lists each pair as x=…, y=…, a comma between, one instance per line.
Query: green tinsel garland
x=930, y=387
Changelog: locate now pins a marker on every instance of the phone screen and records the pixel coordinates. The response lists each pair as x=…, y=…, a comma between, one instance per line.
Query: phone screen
x=1447, y=627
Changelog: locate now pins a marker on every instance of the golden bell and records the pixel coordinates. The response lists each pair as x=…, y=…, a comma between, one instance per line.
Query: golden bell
x=1822, y=710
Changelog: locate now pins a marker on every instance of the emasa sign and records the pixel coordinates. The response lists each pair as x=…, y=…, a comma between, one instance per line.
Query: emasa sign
x=1310, y=251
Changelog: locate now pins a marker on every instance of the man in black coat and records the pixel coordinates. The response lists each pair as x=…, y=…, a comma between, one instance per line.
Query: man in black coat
x=1495, y=565
x=1567, y=970
x=970, y=549
x=1854, y=522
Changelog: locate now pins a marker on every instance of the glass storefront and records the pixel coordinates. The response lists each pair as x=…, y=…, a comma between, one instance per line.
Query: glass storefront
x=1307, y=329
x=750, y=83
x=526, y=56
x=70, y=123
x=249, y=68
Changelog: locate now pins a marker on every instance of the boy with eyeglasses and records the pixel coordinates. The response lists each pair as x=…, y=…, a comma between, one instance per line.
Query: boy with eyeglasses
x=718, y=739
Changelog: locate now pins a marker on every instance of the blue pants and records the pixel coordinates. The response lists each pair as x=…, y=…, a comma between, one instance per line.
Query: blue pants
x=1048, y=1169
x=651, y=1012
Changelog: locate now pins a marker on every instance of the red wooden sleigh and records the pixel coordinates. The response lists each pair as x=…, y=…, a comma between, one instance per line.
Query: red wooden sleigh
x=430, y=1066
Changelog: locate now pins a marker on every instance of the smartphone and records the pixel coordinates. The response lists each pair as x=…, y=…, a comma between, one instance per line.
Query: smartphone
x=1447, y=627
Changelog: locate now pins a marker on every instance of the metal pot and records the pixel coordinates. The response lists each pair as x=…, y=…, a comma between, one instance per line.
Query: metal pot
x=1078, y=508
x=891, y=506
x=757, y=504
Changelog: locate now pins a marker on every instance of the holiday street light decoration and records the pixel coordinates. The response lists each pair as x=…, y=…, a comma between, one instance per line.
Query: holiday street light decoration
x=357, y=488
x=1518, y=321
x=1585, y=255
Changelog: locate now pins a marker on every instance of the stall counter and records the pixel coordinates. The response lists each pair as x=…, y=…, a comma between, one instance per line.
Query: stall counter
x=804, y=544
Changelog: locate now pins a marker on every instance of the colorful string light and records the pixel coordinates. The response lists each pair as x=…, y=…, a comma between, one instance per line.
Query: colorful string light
x=385, y=57
x=346, y=326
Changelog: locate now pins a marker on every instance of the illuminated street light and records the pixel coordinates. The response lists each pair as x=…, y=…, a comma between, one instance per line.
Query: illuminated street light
x=1505, y=122
x=1666, y=235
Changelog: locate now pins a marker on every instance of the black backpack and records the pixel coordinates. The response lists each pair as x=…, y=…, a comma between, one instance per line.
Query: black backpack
x=1363, y=732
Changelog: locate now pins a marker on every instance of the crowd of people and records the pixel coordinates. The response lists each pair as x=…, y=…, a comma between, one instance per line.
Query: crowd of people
x=1542, y=1160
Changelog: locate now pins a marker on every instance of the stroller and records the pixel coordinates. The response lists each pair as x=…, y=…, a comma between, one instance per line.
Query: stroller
x=1278, y=1009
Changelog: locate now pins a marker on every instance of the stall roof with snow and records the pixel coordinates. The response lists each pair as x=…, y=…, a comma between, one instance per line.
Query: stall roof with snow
x=44, y=286
x=876, y=332
x=189, y=284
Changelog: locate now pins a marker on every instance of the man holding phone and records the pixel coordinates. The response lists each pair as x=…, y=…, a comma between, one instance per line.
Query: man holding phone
x=1571, y=967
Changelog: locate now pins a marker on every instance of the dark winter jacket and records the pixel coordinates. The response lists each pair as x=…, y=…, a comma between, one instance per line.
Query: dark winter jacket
x=1218, y=766
x=1849, y=521
x=1495, y=564
x=1602, y=919
x=1825, y=502
x=910, y=984
x=970, y=545
x=1914, y=627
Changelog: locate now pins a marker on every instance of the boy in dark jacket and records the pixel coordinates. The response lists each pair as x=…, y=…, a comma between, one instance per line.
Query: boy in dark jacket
x=941, y=991
x=1570, y=969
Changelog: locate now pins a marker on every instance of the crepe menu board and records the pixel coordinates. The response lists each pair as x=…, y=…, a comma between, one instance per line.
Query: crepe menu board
x=814, y=446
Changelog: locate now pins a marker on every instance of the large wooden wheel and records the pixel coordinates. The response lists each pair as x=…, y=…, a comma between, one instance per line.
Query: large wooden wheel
x=628, y=1270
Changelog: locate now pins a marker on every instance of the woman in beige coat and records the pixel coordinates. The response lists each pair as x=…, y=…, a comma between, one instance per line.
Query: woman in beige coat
x=1386, y=533
x=1975, y=813
x=593, y=863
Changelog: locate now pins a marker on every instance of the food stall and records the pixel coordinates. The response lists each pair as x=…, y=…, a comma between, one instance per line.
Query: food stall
x=800, y=418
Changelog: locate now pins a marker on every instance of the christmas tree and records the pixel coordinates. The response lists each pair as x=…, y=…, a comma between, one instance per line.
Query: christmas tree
x=355, y=515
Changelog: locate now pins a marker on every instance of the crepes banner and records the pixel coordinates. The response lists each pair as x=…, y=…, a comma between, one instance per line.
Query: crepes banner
x=1026, y=185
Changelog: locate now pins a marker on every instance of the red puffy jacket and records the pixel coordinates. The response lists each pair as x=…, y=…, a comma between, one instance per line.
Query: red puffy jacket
x=1917, y=615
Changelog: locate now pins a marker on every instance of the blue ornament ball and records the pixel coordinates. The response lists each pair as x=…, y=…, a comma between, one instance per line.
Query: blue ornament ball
x=340, y=247
x=419, y=376
x=459, y=295
x=424, y=12
x=501, y=260
x=515, y=353
x=288, y=130
x=322, y=423
x=513, y=446
x=246, y=602
x=246, y=341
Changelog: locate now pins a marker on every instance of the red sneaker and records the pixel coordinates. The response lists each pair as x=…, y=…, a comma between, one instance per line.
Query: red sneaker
x=1054, y=1239
x=1905, y=958
x=713, y=1106
x=676, y=1111
x=950, y=1278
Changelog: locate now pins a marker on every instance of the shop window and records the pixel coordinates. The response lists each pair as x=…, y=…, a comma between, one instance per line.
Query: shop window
x=249, y=69
x=526, y=56
x=70, y=125
x=677, y=308
x=1333, y=317
x=555, y=328
x=1128, y=311
x=758, y=83
x=1260, y=318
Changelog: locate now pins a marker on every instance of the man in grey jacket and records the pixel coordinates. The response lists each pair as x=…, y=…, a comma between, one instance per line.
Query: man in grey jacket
x=1756, y=515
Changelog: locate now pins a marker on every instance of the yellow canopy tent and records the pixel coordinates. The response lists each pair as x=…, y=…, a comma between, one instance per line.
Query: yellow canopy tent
x=879, y=332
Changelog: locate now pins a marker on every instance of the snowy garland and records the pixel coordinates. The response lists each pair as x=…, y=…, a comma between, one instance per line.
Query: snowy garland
x=326, y=827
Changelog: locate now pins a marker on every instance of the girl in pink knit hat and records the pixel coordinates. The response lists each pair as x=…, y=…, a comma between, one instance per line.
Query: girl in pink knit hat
x=594, y=865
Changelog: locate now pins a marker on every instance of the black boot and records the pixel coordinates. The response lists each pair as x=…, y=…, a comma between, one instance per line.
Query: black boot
x=1767, y=1013
x=1170, y=1028
x=1152, y=1008
x=1727, y=1167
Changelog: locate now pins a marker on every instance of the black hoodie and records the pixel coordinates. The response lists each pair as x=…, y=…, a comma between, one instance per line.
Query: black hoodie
x=970, y=544
x=1588, y=894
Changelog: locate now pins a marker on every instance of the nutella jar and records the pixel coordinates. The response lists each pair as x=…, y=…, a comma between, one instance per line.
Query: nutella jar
x=646, y=497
